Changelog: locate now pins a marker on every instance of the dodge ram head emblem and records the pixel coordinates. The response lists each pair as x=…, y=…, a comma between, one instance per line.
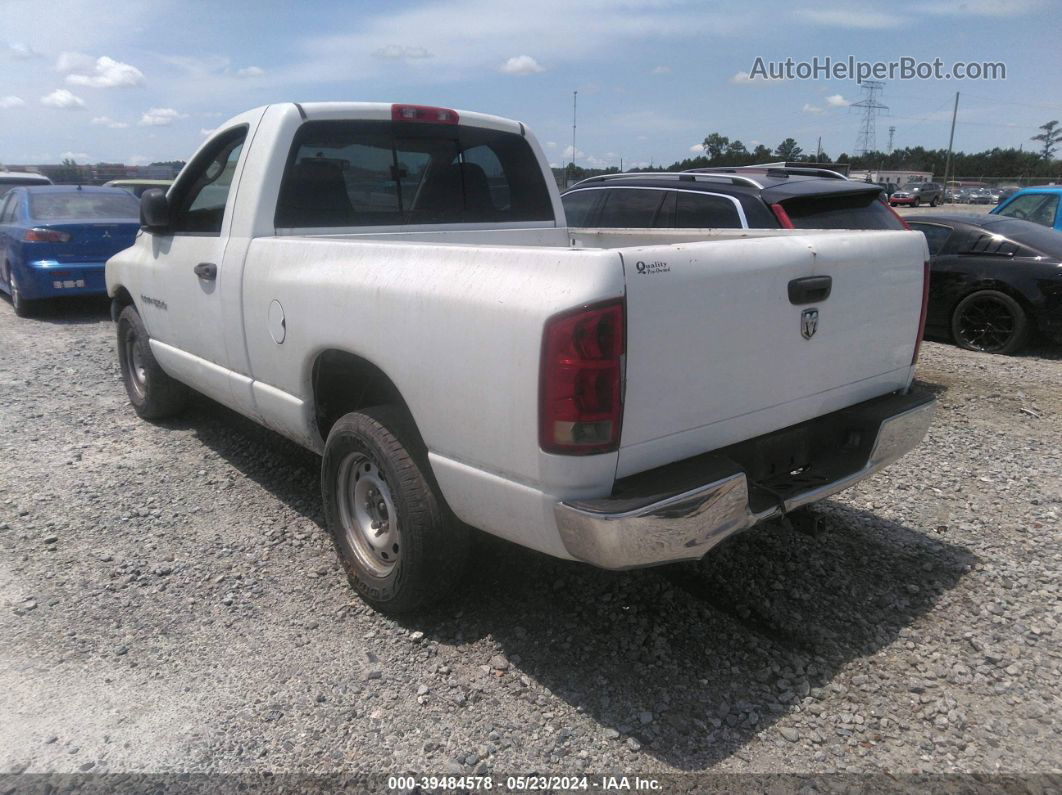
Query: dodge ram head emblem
x=809, y=323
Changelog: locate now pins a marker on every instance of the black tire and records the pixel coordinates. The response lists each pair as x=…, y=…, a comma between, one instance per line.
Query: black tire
x=153, y=394
x=413, y=551
x=990, y=322
x=917, y=202
x=23, y=307
x=934, y=201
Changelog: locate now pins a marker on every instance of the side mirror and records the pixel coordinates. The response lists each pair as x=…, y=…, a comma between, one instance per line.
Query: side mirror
x=154, y=211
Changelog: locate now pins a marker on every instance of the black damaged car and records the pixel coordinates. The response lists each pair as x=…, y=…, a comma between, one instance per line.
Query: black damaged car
x=994, y=281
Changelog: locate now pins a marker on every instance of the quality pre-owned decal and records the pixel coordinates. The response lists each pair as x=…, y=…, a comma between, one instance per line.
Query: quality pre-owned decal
x=649, y=268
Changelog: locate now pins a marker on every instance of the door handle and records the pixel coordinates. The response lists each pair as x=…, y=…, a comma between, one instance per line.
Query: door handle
x=206, y=270
x=810, y=289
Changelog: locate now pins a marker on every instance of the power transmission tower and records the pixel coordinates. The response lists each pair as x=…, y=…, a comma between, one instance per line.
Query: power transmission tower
x=892, y=132
x=867, y=140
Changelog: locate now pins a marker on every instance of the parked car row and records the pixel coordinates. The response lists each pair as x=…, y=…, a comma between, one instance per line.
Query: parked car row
x=985, y=300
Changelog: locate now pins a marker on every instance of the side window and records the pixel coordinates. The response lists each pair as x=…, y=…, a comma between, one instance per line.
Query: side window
x=7, y=205
x=698, y=211
x=579, y=206
x=631, y=207
x=936, y=236
x=200, y=197
x=1040, y=208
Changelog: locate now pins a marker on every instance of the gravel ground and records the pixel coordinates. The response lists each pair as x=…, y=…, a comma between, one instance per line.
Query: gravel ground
x=170, y=602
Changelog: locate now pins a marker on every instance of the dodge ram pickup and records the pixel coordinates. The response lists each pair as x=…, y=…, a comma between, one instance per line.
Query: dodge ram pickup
x=395, y=288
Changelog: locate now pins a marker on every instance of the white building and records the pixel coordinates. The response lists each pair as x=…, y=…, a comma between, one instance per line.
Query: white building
x=899, y=176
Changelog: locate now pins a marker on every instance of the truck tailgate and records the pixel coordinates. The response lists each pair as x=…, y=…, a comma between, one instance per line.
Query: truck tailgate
x=717, y=352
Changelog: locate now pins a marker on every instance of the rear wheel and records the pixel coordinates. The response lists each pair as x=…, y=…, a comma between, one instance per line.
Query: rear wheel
x=400, y=545
x=991, y=322
x=934, y=201
x=153, y=394
x=22, y=306
x=917, y=202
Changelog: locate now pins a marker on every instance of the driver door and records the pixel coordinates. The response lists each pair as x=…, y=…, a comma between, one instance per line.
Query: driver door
x=184, y=309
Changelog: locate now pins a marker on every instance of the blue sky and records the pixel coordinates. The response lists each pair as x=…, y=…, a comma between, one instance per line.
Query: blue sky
x=148, y=81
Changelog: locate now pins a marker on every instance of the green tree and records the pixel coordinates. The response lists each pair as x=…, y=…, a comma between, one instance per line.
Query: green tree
x=1050, y=138
x=715, y=145
x=788, y=150
x=67, y=173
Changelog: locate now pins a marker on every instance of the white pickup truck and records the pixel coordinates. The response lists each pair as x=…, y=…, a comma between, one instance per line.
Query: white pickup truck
x=394, y=287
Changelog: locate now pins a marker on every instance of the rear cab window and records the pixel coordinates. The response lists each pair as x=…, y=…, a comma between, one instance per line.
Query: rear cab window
x=848, y=211
x=381, y=173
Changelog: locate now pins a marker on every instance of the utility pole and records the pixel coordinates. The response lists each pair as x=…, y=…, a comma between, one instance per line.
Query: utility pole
x=892, y=132
x=867, y=141
x=951, y=139
x=575, y=97
x=818, y=151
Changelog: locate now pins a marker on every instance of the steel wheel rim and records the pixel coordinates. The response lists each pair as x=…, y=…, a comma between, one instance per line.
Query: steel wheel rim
x=134, y=365
x=367, y=514
x=987, y=325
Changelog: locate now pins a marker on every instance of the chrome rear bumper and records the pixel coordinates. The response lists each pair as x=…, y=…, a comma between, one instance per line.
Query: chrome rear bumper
x=621, y=532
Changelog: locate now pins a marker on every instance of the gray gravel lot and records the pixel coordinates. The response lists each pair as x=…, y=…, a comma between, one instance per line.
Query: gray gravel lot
x=170, y=602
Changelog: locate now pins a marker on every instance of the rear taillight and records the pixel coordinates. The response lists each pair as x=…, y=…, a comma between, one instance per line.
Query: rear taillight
x=424, y=113
x=41, y=235
x=899, y=217
x=783, y=217
x=925, y=309
x=581, y=387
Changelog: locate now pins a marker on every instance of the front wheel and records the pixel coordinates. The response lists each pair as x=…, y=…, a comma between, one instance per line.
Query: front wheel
x=153, y=394
x=917, y=202
x=934, y=202
x=989, y=321
x=401, y=547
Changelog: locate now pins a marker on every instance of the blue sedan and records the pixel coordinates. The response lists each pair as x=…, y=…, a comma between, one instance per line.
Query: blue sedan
x=55, y=240
x=1041, y=205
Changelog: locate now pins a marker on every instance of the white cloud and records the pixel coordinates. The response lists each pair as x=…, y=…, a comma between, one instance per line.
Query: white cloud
x=107, y=121
x=982, y=8
x=205, y=132
x=61, y=98
x=661, y=70
x=138, y=160
x=74, y=62
x=19, y=51
x=11, y=101
x=250, y=71
x=851, y=18
x=397, y=52
x=521, y=65
x=837, y=101
x=697, y=149
x=809, y=108
x=579, y=153
x=104, y=72
x=551, y=144
x=159, y=117
x=741, y=77
x=73, y=156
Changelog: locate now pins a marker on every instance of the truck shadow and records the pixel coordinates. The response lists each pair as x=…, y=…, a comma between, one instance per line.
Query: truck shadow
x=695, y=661
x=690, y=662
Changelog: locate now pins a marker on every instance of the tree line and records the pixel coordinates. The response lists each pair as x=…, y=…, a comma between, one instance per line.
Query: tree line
x=720, y=151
